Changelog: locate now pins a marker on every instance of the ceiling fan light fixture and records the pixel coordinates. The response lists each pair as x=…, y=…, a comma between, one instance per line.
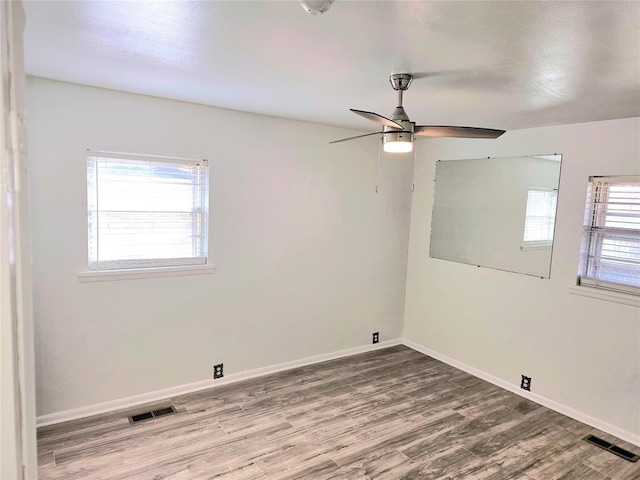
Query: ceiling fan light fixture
x=397, y=142
x=316, y=7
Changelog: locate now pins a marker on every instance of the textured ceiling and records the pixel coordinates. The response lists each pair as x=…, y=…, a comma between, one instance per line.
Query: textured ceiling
x=506, y=65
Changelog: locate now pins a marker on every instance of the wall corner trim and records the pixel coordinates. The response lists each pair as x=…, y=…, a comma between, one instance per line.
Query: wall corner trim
x=135, y=400
x=544, y=401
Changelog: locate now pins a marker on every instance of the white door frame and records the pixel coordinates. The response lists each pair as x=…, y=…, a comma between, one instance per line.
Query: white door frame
x=18, y=455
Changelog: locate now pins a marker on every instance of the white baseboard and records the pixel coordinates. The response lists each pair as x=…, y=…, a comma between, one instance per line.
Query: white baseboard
x=135, y=400
x=544, y=401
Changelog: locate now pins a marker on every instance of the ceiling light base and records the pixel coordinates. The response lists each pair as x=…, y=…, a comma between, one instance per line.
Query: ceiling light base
x=316, y=7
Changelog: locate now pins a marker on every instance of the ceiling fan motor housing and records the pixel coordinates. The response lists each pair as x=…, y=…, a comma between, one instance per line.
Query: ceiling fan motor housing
x=399, y=115
x=393, y=135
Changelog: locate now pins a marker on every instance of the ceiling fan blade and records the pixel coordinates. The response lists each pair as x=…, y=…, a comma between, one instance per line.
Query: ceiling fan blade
x=374, y=117
x=357, y=136
x=459, y=132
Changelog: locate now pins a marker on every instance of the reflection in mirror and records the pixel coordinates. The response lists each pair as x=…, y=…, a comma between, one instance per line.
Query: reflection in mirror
x=496, y=212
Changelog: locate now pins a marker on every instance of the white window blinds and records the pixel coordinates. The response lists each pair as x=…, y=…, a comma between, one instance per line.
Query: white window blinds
x=146, y=212
x=540, y=216
x=610, y=253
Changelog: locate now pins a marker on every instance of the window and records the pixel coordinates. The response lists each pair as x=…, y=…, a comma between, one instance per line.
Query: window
x=539, y=218
x=610, y=253
x=146, y=212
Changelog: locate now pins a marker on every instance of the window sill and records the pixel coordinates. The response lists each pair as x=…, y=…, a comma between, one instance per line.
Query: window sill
x=134, y=274
x=535, y=246
x=606, y=295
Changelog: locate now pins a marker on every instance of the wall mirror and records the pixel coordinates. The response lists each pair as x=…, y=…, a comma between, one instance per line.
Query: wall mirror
x=496, y=212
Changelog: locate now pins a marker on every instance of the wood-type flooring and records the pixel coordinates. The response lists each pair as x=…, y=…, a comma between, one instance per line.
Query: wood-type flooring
x=389, y=414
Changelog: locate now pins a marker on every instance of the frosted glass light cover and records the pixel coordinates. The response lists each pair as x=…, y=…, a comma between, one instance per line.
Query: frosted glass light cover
x=398, y=147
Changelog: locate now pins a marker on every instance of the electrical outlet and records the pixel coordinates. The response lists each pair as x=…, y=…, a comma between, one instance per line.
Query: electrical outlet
x=376, y=337
x=217, y=371
x=525, y=384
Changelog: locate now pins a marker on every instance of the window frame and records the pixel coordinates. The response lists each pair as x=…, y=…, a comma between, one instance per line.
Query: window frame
x=593, y=235
x=115, y=269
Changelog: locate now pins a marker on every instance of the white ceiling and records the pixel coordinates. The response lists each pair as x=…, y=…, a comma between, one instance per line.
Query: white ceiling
x=506, y=65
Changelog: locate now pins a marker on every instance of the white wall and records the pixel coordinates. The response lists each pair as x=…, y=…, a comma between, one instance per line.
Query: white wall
x=310, y=260
x=581, y=352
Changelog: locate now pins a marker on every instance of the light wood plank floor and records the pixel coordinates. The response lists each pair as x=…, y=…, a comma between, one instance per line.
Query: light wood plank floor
x=389, y=414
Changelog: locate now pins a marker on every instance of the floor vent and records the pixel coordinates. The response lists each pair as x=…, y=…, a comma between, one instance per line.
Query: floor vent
x=610, y=447
x=140, y=417
x=164, y=411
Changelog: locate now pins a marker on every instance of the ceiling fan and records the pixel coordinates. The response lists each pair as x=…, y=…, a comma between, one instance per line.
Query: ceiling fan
x=398, y=131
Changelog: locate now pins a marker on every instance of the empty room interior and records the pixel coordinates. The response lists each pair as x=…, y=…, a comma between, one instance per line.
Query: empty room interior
x=215, y=280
